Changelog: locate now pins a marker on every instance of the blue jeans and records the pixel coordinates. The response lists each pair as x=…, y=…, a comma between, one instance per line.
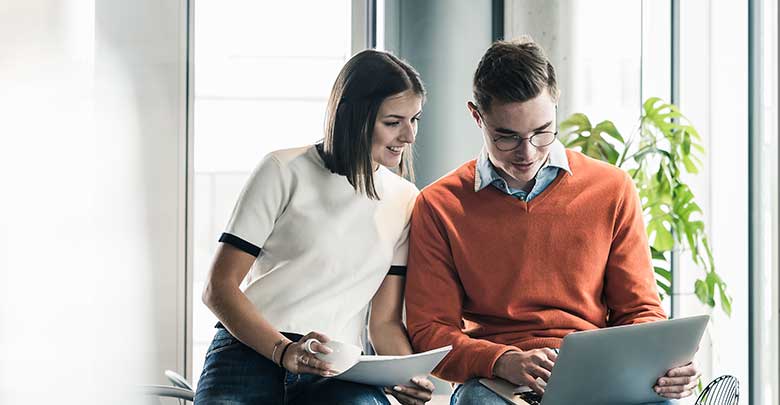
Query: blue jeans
x=235, y=374
x=474, y=393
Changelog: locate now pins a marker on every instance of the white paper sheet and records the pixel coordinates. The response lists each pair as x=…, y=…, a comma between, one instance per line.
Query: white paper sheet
x=387, y=371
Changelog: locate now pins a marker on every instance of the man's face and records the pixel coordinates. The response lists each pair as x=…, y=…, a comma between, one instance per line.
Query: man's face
x=517, y=119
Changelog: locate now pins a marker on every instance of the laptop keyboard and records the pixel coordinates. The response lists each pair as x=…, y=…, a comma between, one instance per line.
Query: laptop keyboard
x=530, y=397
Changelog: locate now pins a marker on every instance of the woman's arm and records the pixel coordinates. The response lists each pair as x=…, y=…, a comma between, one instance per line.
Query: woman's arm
x=388, y=335
x=386, y=327
x=226, y=300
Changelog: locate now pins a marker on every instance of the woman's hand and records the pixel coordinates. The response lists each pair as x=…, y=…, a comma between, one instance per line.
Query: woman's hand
x=417, y=394
x=297, y=360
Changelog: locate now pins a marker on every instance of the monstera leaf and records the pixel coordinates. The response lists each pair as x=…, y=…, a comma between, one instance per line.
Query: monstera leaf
x=664, y=145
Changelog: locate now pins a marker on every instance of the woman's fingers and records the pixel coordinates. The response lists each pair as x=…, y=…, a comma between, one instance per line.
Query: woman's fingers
x=319, y=347
x=424, y=383
x=298, y=360
x=310, y=361
x=315, y=371
x=315, y=335
x=316, y=342
x=404, y=398
x=419, y=393
x=413, y=392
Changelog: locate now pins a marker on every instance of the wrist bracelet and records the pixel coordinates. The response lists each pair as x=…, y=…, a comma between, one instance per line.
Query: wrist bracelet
x=276, y=346
x=281, y=358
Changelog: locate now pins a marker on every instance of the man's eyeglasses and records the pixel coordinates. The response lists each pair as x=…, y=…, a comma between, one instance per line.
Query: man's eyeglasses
x=506, y=143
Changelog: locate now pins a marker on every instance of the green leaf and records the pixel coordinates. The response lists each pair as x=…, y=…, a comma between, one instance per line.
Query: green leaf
x=701, y=291
x=665, y=288
x=710, y=281
x=686, y=143
x=725, y=301
x=574, y=140
x=694, y=133
x=648, y=105
x=663, y=238
x=667, y=147
x=579, y=121
x=607, y=152
x=690, y=167
x=666, y=274
x=656, y=254
x=609, y=128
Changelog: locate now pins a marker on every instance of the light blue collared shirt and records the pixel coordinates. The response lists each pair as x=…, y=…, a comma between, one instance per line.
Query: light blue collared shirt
x=488, y=175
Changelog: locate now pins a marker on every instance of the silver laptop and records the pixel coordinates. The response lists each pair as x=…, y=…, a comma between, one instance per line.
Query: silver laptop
x=618, y=365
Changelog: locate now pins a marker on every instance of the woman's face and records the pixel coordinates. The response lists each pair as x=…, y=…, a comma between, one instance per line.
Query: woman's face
x=395, y=128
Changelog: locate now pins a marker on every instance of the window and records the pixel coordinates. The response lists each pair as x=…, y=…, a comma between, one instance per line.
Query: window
x=263, y=72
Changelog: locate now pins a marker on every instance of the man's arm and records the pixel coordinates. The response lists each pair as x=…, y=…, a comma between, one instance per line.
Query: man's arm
x=630, y=289
x=434, y=302
x=632, y=296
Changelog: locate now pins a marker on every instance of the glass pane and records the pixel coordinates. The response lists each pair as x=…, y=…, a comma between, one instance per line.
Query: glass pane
x=263, y=72
x=233, y=134
x=603, y=70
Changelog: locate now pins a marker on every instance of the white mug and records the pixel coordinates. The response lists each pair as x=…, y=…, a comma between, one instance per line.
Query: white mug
x=343, y=357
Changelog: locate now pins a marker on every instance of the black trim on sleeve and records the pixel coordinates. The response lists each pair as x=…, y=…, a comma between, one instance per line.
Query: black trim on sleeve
x=397, y=271
x=240, y=244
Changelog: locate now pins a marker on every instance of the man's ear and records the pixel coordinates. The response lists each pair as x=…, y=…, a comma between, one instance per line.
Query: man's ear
x=474, y=113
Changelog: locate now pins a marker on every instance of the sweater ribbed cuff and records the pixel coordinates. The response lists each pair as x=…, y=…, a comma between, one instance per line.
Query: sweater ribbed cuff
x=487, y=359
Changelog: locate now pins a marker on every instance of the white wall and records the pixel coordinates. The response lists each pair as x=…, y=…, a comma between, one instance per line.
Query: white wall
x=92, y=162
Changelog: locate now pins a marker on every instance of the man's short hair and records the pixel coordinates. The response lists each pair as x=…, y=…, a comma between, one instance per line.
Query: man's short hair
x=513, y=71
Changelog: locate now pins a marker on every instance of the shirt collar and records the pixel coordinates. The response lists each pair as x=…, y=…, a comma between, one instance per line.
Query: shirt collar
x=486, y=173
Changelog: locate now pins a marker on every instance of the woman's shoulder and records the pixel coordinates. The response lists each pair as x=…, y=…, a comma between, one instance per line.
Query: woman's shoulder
x=299, y=161
x=286, y=157
x=399, y=186
x=287, y=164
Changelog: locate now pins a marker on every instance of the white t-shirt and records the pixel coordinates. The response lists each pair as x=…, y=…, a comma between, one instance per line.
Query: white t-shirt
x=322, y=248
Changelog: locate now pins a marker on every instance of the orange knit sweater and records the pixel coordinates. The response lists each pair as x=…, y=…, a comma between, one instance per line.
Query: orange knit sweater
x=488, y=273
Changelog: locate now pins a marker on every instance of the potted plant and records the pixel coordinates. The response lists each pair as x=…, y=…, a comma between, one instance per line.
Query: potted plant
x=662, y=146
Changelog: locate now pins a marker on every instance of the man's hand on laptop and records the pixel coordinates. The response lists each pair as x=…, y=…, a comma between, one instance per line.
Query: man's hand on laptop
x=678, y=382
x=523, y=368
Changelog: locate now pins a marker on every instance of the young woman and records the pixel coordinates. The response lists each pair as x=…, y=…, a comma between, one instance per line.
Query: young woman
x=324, y=231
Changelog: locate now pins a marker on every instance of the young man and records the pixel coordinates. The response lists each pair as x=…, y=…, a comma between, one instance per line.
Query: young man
x=529, y=242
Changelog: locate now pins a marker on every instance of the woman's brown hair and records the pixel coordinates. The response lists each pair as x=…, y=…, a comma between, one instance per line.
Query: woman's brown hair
x=364, y=82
